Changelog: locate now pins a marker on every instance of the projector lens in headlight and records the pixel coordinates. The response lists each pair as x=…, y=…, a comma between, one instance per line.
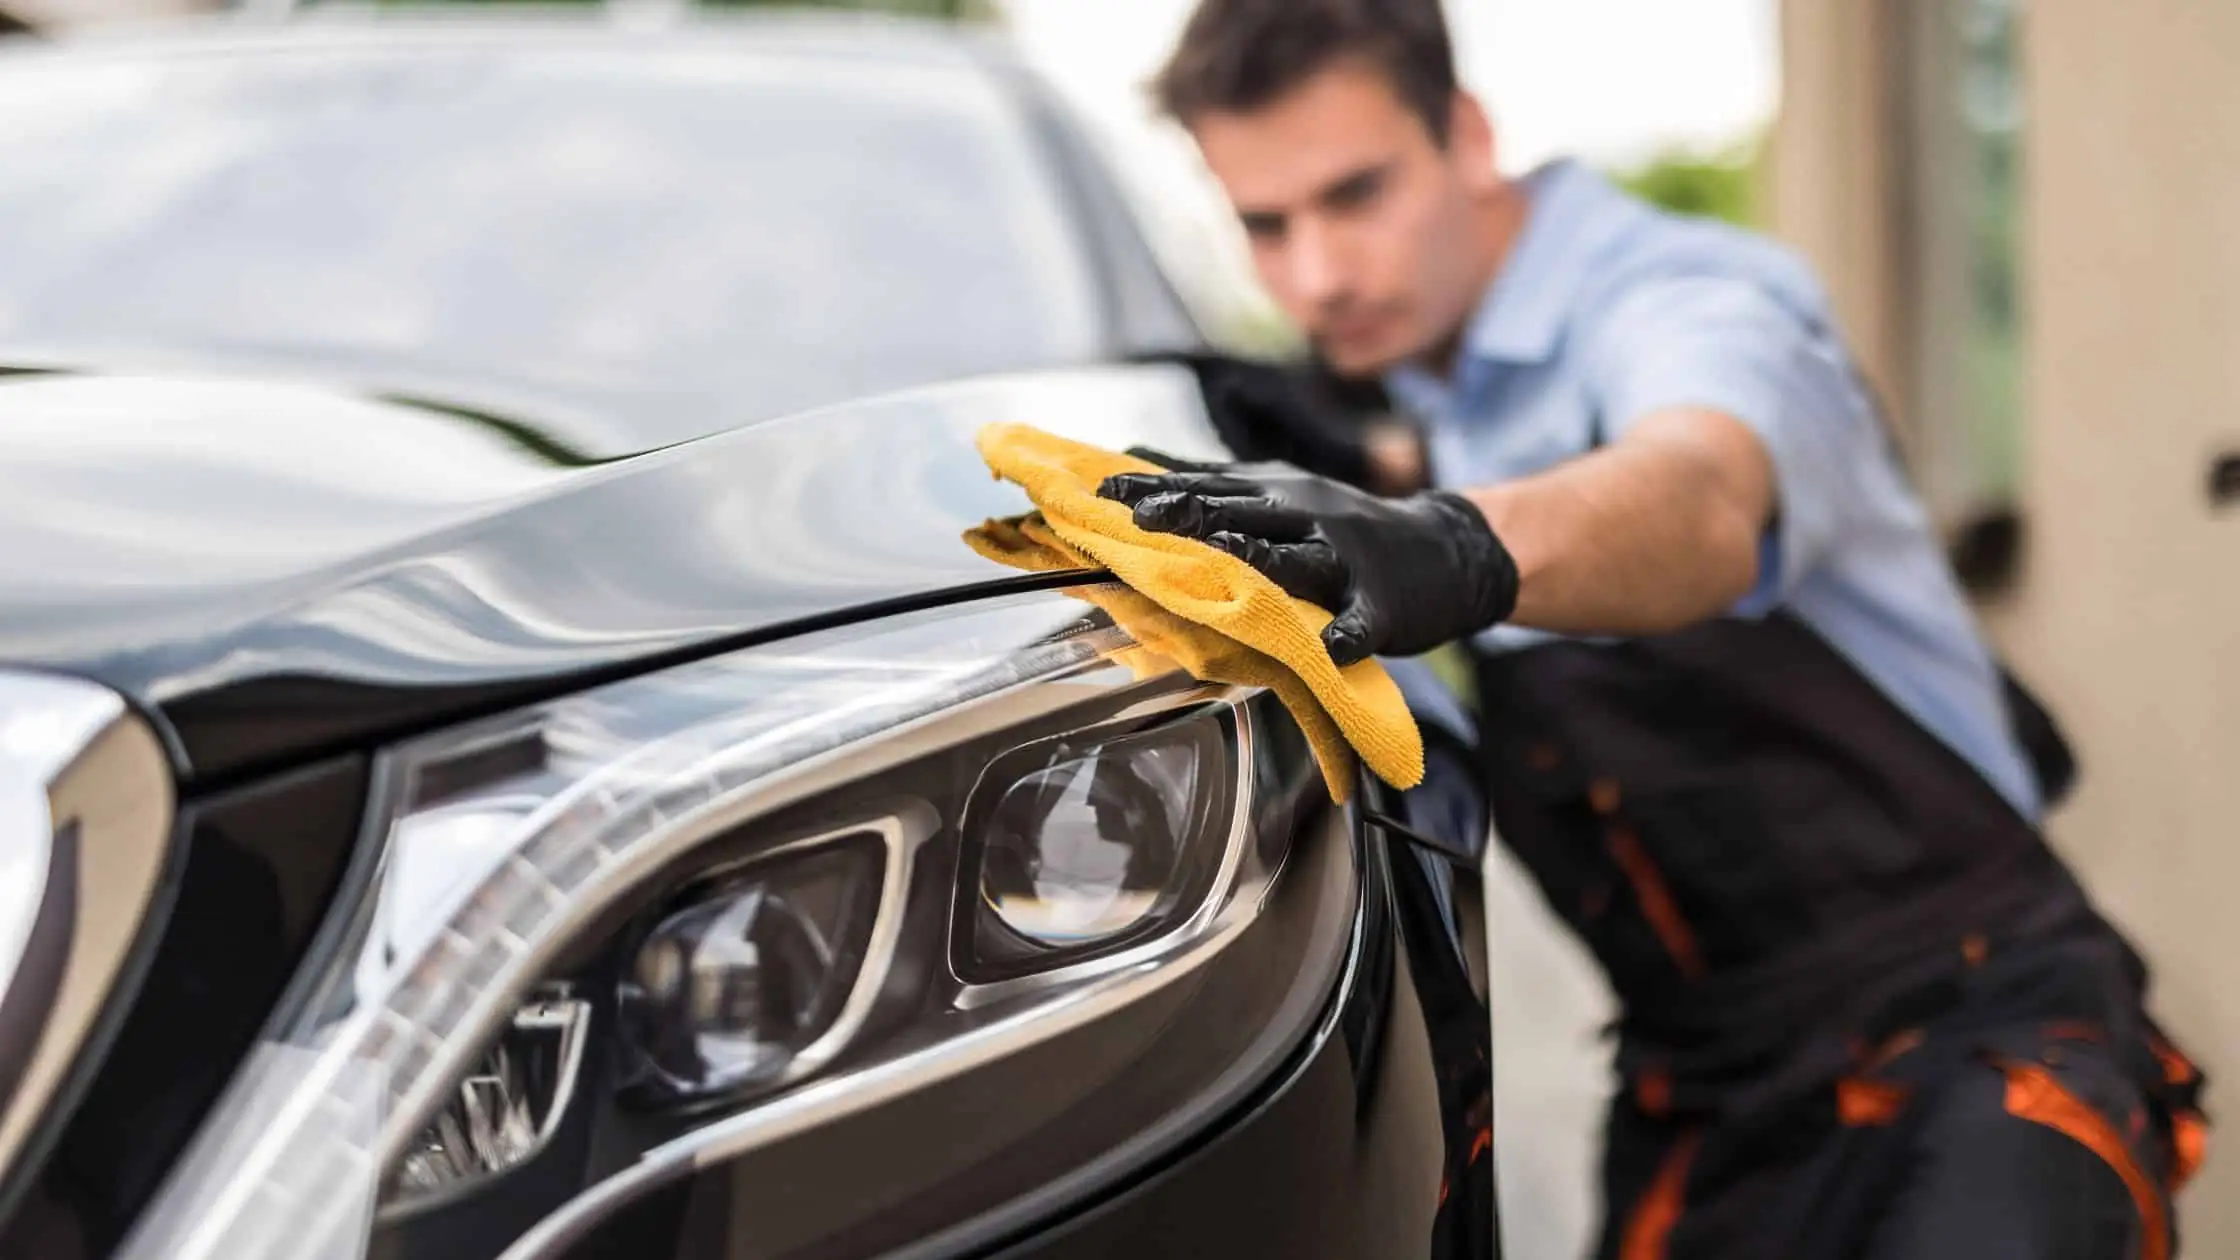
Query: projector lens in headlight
x=746, y=974
x=1089, y=840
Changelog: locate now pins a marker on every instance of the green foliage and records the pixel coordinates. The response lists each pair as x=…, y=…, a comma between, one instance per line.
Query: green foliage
x=1990, y=114
x=1717, y=186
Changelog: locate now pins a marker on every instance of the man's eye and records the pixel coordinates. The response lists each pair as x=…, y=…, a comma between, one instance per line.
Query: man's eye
x=1263, y=227
x=1355, y=192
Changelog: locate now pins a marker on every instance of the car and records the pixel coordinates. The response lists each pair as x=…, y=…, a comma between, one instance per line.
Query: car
x=507, y=752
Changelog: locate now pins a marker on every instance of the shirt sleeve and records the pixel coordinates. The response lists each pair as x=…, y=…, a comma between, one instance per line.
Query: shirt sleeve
x=1726, y=344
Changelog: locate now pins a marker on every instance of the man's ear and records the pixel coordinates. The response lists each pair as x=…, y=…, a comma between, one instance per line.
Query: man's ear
x=1471, y=144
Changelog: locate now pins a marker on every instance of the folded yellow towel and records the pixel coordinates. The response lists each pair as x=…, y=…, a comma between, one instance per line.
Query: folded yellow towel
x=1195, y=605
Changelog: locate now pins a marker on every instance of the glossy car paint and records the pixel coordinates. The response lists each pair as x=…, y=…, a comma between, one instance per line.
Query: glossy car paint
x=232, y=565
x=283, y=573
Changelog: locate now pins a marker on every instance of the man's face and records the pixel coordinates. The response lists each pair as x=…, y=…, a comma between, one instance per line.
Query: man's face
x=1361, y=224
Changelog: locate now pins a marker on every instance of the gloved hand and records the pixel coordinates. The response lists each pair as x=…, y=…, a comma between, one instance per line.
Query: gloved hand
x=1267, y=412
x=1402, y=576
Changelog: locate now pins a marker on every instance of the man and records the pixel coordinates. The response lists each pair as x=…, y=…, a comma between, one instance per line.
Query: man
x=1736, y=717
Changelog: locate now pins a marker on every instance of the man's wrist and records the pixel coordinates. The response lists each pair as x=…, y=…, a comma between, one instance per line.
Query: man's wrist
x=1483, y=561
x=1394, y=452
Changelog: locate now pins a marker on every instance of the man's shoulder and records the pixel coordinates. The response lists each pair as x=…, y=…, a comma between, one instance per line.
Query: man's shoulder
x=1656, y=248
x=1663, y=268
x=1635, y=245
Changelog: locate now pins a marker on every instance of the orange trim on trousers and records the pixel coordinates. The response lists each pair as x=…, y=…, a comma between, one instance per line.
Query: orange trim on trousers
x=1655, y=900
x=2037, y=1095
x=1649, y=1228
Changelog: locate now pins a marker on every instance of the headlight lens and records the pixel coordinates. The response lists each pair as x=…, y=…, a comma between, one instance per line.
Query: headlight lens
x=735, y=987
x=672, y=814
x=1051, y=875
x=1091, y=840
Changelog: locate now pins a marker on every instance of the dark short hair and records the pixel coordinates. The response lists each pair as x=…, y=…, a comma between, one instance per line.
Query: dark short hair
x=1238, y=55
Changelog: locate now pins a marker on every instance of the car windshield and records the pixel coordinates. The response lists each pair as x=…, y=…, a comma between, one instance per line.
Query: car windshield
x=654, y=242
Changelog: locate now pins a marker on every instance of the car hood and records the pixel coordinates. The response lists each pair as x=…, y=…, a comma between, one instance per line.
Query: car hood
x=277, y=571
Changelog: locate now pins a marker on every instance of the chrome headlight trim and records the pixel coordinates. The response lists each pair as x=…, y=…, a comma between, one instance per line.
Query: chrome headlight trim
x=86, y=807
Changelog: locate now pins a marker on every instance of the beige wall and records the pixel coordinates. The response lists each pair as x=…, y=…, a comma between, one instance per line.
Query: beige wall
x=1866, y=88
x=1829, y=169
x=2128, y=612
x=2129, y=615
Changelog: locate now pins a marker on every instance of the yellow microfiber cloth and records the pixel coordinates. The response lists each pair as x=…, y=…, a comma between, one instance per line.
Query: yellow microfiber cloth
x=1196, y=606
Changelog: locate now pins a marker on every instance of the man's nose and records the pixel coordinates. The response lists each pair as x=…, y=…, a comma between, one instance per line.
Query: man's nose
x=1317, y=273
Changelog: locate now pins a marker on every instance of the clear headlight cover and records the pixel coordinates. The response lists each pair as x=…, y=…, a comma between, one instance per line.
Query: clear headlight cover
x=426, y=1055
x=1089, y=839
x=736, y=988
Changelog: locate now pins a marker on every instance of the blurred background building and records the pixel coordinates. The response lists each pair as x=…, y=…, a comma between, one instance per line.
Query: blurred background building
x=2024, y=212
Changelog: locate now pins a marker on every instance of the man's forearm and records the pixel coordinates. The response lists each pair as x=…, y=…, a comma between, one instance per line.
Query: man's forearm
x=1644, y=536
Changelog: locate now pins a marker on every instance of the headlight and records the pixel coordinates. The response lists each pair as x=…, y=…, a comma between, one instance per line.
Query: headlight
x=763, y=888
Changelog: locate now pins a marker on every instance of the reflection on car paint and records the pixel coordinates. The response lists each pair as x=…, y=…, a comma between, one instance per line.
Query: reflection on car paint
x=344, y=599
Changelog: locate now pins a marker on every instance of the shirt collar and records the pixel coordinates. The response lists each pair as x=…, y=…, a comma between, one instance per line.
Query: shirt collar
x=1521, y=317
x=1524, y=310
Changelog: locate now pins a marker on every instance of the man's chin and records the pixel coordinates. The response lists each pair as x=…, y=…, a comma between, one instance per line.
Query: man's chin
x=1361, y=360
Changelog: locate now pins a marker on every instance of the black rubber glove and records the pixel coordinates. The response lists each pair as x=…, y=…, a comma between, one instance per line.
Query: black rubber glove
x=1267, y=412
x=1402, y=576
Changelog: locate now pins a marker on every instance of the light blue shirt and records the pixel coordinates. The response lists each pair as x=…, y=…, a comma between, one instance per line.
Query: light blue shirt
x=1608, y=310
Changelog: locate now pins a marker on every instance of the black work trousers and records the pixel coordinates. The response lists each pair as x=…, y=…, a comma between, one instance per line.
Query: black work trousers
x=1984, y=1134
